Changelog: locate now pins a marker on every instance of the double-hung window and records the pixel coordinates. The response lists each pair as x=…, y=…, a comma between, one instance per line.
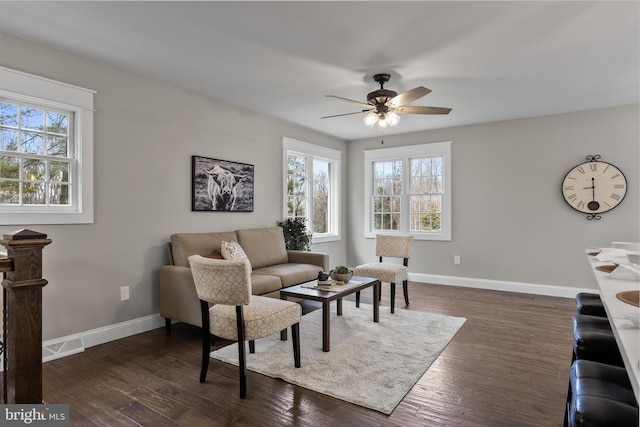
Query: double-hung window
x=408, y=190
x=46, y=146
x=312, y=187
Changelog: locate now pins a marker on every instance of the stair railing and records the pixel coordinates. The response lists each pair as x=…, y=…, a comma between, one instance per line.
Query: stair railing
x=22, y=316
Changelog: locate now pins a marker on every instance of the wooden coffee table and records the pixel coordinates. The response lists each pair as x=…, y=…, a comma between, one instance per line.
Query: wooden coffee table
x=356, y=284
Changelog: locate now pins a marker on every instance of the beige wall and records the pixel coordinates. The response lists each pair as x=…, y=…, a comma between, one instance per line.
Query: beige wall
x=145, y=135
x=510, y=222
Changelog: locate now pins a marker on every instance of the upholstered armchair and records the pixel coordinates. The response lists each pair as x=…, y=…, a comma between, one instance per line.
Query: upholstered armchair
x=233, y=313
x=392, y=246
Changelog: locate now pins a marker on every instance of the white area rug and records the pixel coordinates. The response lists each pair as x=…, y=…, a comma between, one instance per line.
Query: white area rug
x=370, y=364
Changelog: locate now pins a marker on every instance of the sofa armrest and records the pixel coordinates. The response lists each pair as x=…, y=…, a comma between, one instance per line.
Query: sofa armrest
x=178, y=298
x=304, y=257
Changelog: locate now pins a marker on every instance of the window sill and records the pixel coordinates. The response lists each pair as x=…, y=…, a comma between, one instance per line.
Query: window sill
x=25, y=218
x=325, y=238
x=417, y=236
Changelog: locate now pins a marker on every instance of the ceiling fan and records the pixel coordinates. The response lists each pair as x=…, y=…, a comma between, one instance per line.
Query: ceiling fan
x=383, y=105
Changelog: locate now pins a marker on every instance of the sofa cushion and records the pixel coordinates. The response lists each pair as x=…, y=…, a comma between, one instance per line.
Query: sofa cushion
x=290, y=274
x=183, y=245
x=263, y=246
x=262, y=284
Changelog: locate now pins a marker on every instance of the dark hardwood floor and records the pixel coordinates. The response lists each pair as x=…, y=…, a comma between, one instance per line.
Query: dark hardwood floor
x=507, y=366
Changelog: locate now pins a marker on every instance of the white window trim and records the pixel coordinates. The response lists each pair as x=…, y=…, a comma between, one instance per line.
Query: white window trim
x=50, y=93
x=293, y=146
x=405, y=153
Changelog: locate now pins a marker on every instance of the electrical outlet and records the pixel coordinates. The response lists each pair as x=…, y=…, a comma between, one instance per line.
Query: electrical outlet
x=456, y=259
x=124, y=293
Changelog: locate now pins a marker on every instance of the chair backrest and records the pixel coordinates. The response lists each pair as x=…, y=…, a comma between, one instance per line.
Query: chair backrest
x=221, y=281
x=395, y=246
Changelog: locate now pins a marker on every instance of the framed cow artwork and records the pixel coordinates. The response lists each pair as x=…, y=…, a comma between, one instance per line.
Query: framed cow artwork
x=221, y=185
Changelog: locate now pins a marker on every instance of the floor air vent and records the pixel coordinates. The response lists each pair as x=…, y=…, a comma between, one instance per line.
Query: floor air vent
x=52, y=350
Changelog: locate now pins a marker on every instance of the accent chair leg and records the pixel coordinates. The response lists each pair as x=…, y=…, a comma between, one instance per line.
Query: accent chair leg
x=393, y=297
x=295, y=332
x=205, y=357
x=252, y=346
x=358, y=299
x=242, y=367
x=206, y=340
x=405, y=289
x=167, y=324
x=242, y=357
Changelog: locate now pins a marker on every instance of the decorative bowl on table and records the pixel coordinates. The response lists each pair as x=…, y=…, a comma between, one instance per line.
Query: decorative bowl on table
x=342, y=277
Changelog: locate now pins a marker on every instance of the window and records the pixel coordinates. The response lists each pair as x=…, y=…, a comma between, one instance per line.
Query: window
x=311, y=187
x=35, y=163
x=46, y=146
x=407, y=190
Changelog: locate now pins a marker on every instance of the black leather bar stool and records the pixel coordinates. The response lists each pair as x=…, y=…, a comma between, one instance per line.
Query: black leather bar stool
x=590, y=304
x=600, y=396
x=593, y=340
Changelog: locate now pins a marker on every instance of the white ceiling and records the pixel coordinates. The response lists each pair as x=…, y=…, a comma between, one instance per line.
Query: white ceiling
x=489, y=61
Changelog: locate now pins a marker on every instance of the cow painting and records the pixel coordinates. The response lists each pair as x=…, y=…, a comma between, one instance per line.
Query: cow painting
x=222, y=188
x=220, y=185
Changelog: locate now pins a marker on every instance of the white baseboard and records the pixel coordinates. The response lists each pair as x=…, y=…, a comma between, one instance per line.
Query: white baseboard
x=72, y=344
x=501, y=285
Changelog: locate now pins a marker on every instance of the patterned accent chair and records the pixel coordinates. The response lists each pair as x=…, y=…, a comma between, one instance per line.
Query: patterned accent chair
x=235, y=314
x=392, y=246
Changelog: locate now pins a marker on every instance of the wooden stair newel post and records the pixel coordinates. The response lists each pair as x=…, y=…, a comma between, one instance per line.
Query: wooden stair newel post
x=23, y=342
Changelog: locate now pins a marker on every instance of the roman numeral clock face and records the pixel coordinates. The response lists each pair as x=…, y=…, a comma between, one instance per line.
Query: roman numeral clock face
x=594, y=187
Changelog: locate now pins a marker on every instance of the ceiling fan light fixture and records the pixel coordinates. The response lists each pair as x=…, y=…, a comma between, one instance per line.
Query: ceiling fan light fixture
x=383, y=123
x=393, y=118
x=370, y=119
x=383, y=120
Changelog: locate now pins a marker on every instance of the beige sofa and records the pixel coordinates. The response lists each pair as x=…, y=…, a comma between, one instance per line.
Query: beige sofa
x=273, y=268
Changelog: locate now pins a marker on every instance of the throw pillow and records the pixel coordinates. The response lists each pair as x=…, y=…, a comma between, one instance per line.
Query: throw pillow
x=215, y=255
x=233, y=251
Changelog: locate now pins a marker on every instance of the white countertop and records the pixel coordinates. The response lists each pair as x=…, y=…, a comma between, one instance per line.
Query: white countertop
x=623, y=317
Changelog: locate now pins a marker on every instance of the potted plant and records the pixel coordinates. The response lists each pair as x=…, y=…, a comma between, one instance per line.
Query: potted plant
x=342, y=273
x=296, y=236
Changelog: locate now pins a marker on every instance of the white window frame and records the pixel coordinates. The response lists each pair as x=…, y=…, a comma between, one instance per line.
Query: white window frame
x=334, y=157
x=406, y=153
x=40, y=91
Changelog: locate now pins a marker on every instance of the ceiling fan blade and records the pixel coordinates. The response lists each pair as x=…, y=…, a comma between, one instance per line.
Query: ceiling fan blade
x=362, y=104
x=422, y=110
x=407, y=97
x=345, y=114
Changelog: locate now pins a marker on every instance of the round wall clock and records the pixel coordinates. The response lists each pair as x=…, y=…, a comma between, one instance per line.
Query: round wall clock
x=594, y=187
